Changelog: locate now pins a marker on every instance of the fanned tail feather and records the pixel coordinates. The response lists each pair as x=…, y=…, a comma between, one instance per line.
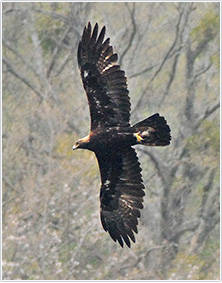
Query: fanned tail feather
x=152, y=131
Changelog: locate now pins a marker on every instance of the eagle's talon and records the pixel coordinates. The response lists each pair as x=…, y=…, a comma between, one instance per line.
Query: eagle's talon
x=138, y=137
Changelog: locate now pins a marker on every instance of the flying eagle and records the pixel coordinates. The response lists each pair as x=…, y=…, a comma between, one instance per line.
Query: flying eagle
x=111, y=136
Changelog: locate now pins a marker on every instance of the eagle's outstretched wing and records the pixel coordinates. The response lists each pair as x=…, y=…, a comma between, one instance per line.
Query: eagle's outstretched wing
x=103, y=81
x=121, y=193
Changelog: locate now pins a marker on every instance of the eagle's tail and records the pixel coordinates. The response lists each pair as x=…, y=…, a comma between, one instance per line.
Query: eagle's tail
x=152, y=131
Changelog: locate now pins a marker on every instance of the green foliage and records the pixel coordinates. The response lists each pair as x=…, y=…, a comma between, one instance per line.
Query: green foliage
x=208, y=27
x=211, y=257
x=64, y=145
x=186, y=266
x=49, y=31
x=205, y=144
x=210, y=249
x=196, y=267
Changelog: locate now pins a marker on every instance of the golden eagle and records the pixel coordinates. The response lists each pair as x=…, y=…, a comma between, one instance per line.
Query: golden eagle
x=111, y=136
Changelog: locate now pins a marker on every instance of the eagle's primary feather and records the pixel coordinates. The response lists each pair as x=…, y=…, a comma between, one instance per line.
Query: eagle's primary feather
x=121, y=193
x=111, y=136
x=103, y=81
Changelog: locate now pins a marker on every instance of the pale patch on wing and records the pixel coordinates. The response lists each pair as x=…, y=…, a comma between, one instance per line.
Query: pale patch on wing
x=107, y=182
x=106, y=185
x=98, y=104
x=126, y=203
x=106, y=68
x=85, y=74
x=144, y=133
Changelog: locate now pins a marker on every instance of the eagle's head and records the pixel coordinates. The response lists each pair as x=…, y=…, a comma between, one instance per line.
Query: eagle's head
x=82, y=143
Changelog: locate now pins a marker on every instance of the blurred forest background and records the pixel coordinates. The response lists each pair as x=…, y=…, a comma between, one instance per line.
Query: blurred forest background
x=51, y=223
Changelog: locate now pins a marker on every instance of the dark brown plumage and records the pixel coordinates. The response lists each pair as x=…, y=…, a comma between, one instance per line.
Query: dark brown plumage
x=111, y=136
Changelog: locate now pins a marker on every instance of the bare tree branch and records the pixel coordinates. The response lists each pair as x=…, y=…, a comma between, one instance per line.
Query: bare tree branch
x=163, y=171
x=170, y=49
x=142, y=72
x=189, y=226
x=13, y=71
x=52, y=14
x=207, y=113
x=166, y=57
x=172, y=76
x=133, y=33
x=66, y=60
x=204, y=70
x=206, y=190
x=24, y=60
x=56, y=52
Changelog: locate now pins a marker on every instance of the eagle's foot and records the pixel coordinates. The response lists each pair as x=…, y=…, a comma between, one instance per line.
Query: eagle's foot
x=138, y=137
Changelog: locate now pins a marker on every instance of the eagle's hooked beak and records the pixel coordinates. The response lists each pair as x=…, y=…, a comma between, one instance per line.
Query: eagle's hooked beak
x=75, y=147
